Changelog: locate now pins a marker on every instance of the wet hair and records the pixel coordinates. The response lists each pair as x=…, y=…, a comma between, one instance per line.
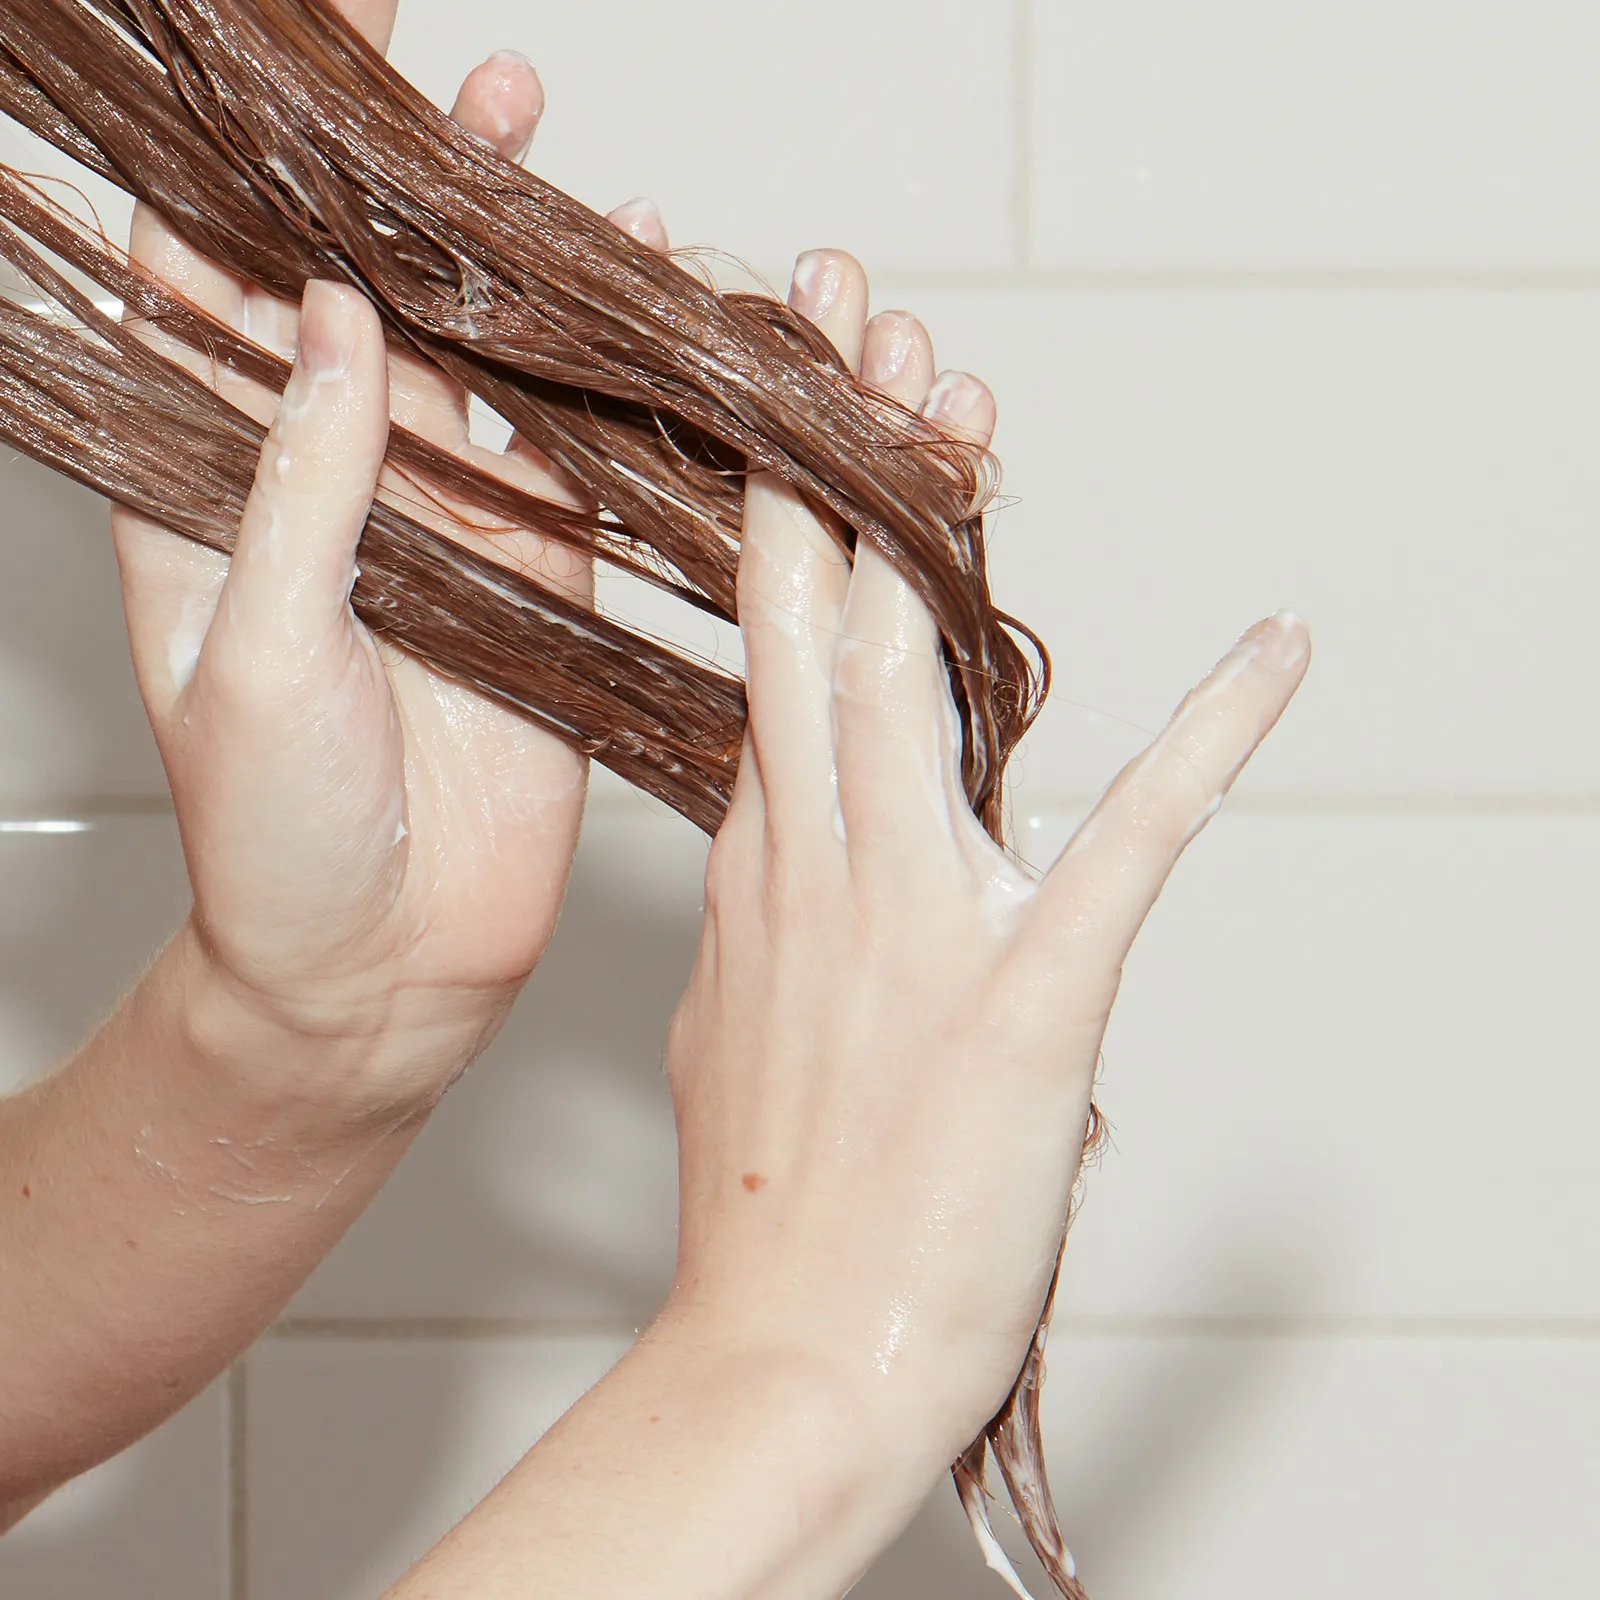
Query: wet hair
x=273, y=139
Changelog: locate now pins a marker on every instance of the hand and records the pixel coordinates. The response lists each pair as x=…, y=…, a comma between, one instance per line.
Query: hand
x=882, y=1066
x=378, y=855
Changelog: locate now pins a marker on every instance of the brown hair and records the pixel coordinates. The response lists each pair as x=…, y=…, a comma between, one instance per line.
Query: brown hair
x=272, y=138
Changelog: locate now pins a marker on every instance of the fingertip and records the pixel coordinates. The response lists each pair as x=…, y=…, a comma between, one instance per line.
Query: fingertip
x=1280, y=644
x=822, y=279
x=335, y=320
x=641, y=219
x=963, y=405
x=501, y=102
x=829, y=288
x=897, y=356
x=1283, y=641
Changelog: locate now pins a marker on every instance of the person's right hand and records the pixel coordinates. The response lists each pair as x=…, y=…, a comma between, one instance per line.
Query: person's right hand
x=882, y=1066
x=378, y=854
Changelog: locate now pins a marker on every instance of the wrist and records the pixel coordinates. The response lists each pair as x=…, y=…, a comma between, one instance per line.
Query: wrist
x=773, y=1431
x=878, y=1426
x=348, y=1056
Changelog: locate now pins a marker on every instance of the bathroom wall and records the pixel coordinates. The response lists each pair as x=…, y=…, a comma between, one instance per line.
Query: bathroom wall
x=1285, y=305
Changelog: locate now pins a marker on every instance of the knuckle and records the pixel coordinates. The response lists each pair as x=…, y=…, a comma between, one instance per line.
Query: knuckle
x=1164, y=806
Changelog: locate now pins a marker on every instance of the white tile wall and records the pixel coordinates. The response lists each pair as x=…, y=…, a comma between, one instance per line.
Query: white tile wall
x=1366, y=133
x=737, y=121
x=1196, y=1466
x=152, y=1522
x=1412, y=471
x=70, y=721
x=1188, y=1466
x=361, y=1455
x=1284, y=305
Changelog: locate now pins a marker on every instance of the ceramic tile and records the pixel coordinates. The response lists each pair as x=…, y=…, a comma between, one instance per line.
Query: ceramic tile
x=821, y=124
x=1249, y=135
x=1412, y=472
x=151, y=1522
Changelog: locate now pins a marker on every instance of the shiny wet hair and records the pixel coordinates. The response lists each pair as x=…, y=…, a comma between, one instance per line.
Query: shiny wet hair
x=271, y=137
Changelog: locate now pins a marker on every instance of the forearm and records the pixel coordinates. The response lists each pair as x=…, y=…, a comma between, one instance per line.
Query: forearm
x=695, y=1468
x=161, y=1198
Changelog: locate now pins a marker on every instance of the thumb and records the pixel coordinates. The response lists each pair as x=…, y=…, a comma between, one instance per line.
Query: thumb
x=293, y=566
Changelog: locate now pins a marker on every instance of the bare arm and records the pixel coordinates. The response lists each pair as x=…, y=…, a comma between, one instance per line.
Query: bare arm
x=700, y=1466
x=163, y=1195
x=378, y=859
x=881, y=1070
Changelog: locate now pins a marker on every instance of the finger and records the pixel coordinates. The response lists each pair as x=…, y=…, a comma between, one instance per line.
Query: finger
x=288, y=588
x=501, y=102
x=154, y=245
x=170, y=586
x=793, y=577
x=888, y=687
x=962, y=408
x=1108, y=877
x=830, y=289
x=372, y=19
x=641, y=219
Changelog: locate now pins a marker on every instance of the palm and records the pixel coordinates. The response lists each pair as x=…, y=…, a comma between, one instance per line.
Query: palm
x=495, y=805
x=489, y=804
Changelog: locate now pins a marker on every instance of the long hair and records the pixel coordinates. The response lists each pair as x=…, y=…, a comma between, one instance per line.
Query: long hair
x=274, y=140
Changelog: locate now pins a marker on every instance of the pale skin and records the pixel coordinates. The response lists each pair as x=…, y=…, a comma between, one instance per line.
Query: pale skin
x=881, y=1070
x=881, y=1067
x=378, y=858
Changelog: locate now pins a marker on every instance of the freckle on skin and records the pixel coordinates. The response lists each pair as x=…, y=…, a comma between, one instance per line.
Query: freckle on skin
x=27, y=1191
x=753, y=1181
x=655, y=1419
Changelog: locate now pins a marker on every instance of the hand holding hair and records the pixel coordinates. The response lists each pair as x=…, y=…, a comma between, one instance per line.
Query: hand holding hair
x=377, y=857
x=882, y=1071
x=376, y=850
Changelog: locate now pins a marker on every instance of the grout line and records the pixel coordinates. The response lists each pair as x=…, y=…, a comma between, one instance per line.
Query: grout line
x=1321, y=280
x=1089, y=1325
x=88, y=807
x=1021, y=135
x=1332, y=1326
x=238, y=1481
x=1435, y=807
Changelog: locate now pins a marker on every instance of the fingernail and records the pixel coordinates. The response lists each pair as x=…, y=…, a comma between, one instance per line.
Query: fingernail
x=888, y=353
x=1279, y=641
x=818, y=280
x=640, y=218
x=327, y=332
x=953, y=397
x=272, y=323
x=511, y=135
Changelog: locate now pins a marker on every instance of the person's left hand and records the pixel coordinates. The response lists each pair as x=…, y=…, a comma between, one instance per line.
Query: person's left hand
x=378, y=854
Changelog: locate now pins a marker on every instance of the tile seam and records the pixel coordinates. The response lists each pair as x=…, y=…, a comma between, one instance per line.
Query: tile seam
x=1021, y=136
x=238, y=1481
x=294, y=1330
